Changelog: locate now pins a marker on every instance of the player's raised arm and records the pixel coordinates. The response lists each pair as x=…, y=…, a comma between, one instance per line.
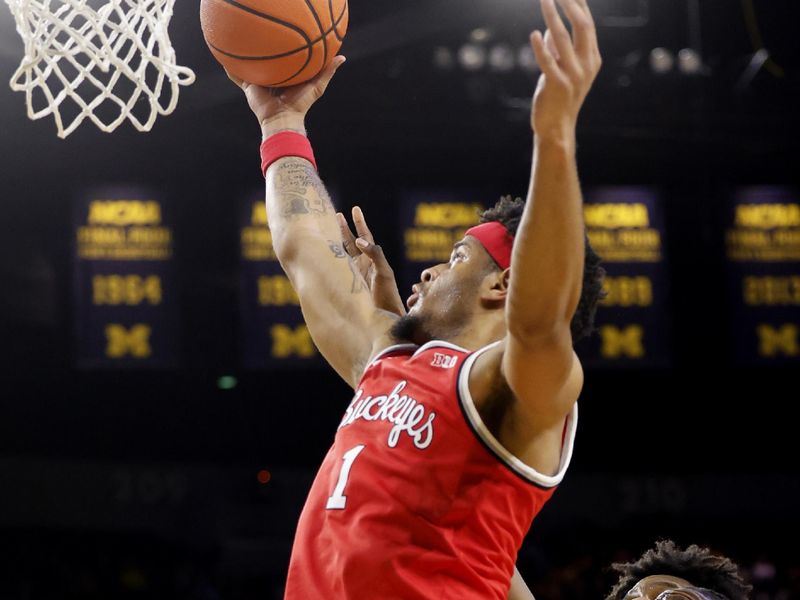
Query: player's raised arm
x=548, y=255
x=336, y=303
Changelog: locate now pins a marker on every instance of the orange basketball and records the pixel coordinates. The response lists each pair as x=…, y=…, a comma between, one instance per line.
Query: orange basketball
x=274, y=43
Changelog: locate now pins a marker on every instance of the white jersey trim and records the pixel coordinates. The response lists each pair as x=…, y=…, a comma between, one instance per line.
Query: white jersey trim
x=516, y=465
x=393, y=348
x=439, y=344
x=417, y=349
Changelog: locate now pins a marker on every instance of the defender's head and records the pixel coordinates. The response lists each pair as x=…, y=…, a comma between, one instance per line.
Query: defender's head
x=668, y=572
x=473, y=285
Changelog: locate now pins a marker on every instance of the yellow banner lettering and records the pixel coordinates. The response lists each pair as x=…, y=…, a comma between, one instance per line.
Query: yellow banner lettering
x=628, y=291
x=447, y=214
x=124, y=212
x=613, y=216
x=276, y=291
x=259, y=214
x=771, y=290
x=768, y=216
x=132, y=290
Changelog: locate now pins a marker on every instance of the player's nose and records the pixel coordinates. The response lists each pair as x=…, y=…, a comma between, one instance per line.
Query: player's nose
x=430, y=274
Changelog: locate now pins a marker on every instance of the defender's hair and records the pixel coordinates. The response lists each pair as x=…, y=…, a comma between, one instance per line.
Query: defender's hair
x=508, y=211
x=696, y=565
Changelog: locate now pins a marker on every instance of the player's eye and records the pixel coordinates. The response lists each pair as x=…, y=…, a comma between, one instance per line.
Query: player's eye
x=457, y=255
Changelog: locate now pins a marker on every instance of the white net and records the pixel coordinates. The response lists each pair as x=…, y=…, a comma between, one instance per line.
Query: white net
x=102, y=60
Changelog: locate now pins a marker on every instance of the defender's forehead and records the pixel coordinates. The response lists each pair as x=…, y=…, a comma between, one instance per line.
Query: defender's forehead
x=651, y=586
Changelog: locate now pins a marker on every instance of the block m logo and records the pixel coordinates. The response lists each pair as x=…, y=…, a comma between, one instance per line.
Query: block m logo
x=287, y=342
x=625, y=342
x=122, y=342
x=778, y=340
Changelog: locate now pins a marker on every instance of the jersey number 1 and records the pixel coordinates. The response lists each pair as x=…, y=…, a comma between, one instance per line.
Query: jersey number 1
x=338, y=500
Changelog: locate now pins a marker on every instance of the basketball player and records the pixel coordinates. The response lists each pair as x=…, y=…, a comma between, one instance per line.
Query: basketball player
x=668, y=572
x=370, y=261
x=464, y=413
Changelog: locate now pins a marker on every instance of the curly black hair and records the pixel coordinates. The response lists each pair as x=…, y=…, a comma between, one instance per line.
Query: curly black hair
x=508, y=211
x=696, y=565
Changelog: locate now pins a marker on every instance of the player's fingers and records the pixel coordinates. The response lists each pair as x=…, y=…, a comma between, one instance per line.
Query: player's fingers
x=546, y=61
x=362, y=230
x=551, y=46
x=584, y=4
x=583, y=31
x=348, y=239
x=561, y=37
x=375, y=253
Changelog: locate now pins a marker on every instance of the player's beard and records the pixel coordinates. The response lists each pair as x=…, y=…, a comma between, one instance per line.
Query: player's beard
x=411, y=329
x=421, y=327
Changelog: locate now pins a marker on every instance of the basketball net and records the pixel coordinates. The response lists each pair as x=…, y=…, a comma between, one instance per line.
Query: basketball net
x=105, y=65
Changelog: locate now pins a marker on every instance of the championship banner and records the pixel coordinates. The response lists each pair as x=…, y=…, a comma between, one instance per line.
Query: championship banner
x=762, y=242
x=626, y=228
x=125, y=296
x=431, y=223
x=274, y=333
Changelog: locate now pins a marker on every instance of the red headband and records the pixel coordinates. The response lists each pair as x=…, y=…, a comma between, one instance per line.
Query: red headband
x=494, y=237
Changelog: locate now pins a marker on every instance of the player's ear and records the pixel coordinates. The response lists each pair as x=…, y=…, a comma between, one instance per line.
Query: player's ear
x=506, y=278
x=496, y=289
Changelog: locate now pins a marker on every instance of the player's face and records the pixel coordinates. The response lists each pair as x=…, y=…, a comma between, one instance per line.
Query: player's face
x=657, y=586
x=448, y=293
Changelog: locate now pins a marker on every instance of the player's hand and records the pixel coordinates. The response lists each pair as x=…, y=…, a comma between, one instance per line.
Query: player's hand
x=286, y=108
x=370, y=261
x=569, y=65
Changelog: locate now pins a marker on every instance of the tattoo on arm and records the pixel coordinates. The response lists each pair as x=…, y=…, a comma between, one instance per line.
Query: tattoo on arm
x=294, y=204
x=358, y=285
x=294, y=179
x=337, y=249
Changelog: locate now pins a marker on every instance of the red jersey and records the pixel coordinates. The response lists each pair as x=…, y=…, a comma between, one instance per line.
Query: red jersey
x=416, y=499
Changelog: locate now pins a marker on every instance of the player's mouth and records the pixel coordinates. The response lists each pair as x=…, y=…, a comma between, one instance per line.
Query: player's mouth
x=416, y=294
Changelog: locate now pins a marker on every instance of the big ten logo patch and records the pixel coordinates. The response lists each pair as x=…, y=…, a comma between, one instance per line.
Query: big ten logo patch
x=122, y=342
x=783, y=340
x=443, y=361
x=625, y=342
x=288, y=341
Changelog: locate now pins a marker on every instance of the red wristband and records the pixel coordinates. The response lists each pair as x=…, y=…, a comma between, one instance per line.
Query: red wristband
x=285, y=143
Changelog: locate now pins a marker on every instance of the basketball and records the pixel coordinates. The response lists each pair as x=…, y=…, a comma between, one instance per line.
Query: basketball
x=274, y=43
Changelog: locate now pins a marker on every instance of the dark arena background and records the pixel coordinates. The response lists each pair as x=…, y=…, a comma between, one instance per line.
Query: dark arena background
x=162, y=413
